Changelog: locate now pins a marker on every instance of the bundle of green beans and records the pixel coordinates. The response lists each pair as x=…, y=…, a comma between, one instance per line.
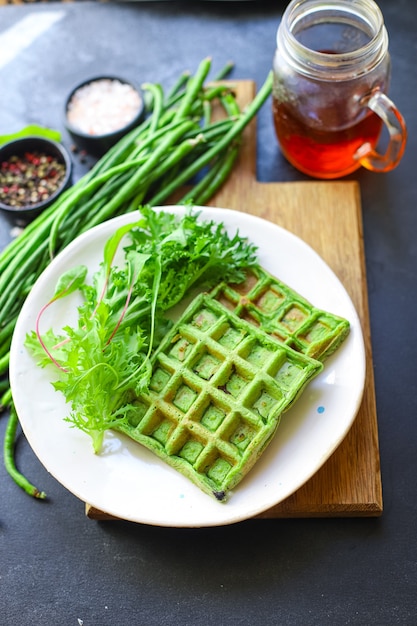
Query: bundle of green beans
x=179, y=144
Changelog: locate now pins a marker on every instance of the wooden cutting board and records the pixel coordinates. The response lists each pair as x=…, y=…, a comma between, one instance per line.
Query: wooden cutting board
x=327, y=215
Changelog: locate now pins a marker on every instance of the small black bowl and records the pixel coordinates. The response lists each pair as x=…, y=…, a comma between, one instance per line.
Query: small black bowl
x=41, y=145
x=96, y=139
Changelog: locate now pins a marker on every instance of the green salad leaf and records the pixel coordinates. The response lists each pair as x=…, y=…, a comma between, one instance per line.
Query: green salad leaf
x=32, y=129
x=104, y=362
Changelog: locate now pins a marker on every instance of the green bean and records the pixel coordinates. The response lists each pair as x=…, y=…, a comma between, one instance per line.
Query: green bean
x=225, y=71
x=178, y=85
x=195, y=84
x=214, y=179
x=207, y=108
x=5, y=346
x=175, y=145
x=229, y=104
x=118, y=153
x=114, y=156
x=22, y=245
x=7, y=330
x=9, y=461
x=144, y=147
x=6, y=398
x=4, y=387
x=14, y=265
x=178, y=154
x=157, y=93
x=104, y=177
x=4, y=363
x=15, y=281
x=126, y=190
x=67, y=206
x=243, y=120
x=211, y=93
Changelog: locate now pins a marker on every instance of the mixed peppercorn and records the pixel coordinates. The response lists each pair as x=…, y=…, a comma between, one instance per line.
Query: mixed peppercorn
x=29, y=179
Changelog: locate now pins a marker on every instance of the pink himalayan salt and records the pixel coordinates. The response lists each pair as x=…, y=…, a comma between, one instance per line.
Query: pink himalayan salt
x=103, y=106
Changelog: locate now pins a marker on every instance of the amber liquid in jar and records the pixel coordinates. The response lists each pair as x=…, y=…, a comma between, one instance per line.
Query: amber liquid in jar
x=324, y=153
x=321, y=126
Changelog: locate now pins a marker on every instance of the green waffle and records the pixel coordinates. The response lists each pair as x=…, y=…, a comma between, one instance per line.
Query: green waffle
x=218, y=389
x=281, y=312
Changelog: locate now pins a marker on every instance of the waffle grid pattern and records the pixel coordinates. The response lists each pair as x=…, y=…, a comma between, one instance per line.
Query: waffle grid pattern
x=278, y=310
x=217, y=393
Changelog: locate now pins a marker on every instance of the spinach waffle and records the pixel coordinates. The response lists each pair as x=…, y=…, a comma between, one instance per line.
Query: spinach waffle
x=218, y=389
x=280, y=311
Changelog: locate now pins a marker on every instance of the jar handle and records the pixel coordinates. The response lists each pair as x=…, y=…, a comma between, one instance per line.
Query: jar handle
x=369, y=157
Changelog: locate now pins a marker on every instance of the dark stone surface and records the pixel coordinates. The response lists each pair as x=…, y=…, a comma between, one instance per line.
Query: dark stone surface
x=57, y=567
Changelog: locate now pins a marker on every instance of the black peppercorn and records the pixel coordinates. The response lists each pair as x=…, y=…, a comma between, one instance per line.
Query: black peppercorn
x=29, y=179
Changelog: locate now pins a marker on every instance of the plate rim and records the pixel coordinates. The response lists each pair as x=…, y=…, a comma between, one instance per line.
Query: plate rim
x=93, y=234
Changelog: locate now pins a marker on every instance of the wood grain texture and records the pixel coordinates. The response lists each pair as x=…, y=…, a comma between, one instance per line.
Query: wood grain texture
x=326, y=215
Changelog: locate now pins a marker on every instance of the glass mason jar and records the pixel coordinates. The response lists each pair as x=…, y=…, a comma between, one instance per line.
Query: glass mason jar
x=331, y=74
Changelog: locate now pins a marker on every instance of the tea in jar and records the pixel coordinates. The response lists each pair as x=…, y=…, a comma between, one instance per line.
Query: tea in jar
x=331, y=75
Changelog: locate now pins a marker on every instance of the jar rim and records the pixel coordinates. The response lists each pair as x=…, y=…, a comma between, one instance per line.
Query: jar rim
x=333, y=65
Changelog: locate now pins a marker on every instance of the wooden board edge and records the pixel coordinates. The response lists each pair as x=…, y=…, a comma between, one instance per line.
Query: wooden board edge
x=303, y=508
x=372, y=509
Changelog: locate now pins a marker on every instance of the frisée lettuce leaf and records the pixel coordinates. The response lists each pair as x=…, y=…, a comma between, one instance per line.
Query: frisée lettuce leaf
x=103, y=362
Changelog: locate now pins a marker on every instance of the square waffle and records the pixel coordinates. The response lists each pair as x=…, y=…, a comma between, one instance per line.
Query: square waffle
x=218, y=389
x=281, y=312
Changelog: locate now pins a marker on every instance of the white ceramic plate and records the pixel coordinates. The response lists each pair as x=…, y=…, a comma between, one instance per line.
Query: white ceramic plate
x=128, y=481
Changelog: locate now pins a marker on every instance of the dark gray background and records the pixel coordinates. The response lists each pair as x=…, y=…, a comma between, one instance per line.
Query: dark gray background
x=56, y=566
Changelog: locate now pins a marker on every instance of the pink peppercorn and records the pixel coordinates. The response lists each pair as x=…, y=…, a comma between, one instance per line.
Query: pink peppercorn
x=29, y=179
